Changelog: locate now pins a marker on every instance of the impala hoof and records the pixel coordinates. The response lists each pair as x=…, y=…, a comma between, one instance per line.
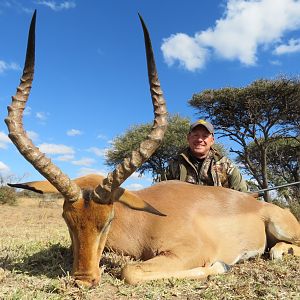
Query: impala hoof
x=276, y=254
x=281, y=249
x=83, y=280
x=221, y=267
x=226, y=267
x=132, y=274
x=86, y=284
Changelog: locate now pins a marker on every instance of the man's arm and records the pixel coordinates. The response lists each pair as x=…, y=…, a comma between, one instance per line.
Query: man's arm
x=236, y=181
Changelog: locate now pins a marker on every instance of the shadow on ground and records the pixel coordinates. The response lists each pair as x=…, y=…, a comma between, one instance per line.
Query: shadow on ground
x=52, y=262
x=56, y=261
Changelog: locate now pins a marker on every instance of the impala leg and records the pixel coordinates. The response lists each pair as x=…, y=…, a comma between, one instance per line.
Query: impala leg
x=283, y=225
x=283, y=248
x=161, y=267
x=285, y=229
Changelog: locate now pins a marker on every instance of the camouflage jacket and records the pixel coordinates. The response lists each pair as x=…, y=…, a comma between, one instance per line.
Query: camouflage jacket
x=215, y=170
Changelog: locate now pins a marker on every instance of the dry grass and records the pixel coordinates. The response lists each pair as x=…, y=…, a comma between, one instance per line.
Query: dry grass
x=35, y=261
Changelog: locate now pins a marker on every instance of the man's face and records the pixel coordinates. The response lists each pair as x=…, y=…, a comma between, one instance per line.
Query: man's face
x=200, y=140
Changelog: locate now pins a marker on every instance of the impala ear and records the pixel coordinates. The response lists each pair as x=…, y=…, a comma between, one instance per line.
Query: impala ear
x=134, y=201
x=40, y=187
x=43, y=187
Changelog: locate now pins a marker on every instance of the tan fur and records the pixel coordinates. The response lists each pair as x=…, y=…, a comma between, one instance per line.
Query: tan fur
x=204, y=229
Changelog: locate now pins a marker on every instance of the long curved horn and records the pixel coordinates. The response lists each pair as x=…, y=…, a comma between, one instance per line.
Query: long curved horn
x=103, y=192
x=17, y=134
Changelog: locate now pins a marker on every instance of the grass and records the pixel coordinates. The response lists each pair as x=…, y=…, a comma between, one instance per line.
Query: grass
x=35, y=261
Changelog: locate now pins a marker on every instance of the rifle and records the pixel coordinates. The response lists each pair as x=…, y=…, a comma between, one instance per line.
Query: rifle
x=260, y=193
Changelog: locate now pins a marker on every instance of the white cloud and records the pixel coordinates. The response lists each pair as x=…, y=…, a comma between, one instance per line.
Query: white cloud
x=97, y=151
x=4, y=66
x=6, y=4
x=292, y=46
x=245, y=27
x=58, y=6
x=137, y=181
x=13, y=4
x=137, y=175
x=101, y=136
x=41, y=116
x=66, y=157
x=185, y=49
x=134, y=186
x=32, y=135
x=4, y=140
x=56, y=149
x=86, y=171
x=275, y=62
x=85, y=161
x=74, y=132
x=4, y=169
x=27, y=111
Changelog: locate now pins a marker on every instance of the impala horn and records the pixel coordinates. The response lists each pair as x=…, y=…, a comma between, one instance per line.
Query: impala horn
x=17, y=134
x=103, y=192
x=70, y=190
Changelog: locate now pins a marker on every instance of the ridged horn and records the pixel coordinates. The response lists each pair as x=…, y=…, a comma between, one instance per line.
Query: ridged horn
x=18, y=136
x=103, y=192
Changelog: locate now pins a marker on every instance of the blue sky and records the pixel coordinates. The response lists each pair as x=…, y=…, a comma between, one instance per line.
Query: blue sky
x=91, y=81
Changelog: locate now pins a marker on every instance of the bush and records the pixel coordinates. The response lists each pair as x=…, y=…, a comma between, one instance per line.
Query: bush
x=295, y=209
x=28, y=194
x=8, y=195
x=293, y=205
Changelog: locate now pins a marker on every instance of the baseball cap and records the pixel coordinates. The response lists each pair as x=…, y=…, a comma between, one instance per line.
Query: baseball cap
x=204, y=123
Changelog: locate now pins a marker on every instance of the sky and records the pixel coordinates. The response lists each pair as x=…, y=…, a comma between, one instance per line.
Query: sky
x=91, y=82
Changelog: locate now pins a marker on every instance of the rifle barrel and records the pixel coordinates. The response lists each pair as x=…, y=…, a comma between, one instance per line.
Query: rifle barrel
x=261, y=192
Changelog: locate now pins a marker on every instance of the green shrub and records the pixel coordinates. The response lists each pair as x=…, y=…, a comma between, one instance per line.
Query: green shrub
x=28, y=194
x=8, y=195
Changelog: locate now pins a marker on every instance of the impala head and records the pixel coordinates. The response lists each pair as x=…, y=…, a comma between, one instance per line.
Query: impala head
x=88, y=206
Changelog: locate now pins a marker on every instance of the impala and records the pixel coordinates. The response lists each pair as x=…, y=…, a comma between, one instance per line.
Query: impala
x=177, y=229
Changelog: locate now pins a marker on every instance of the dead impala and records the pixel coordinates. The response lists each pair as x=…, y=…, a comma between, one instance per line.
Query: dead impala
x=178, y=229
